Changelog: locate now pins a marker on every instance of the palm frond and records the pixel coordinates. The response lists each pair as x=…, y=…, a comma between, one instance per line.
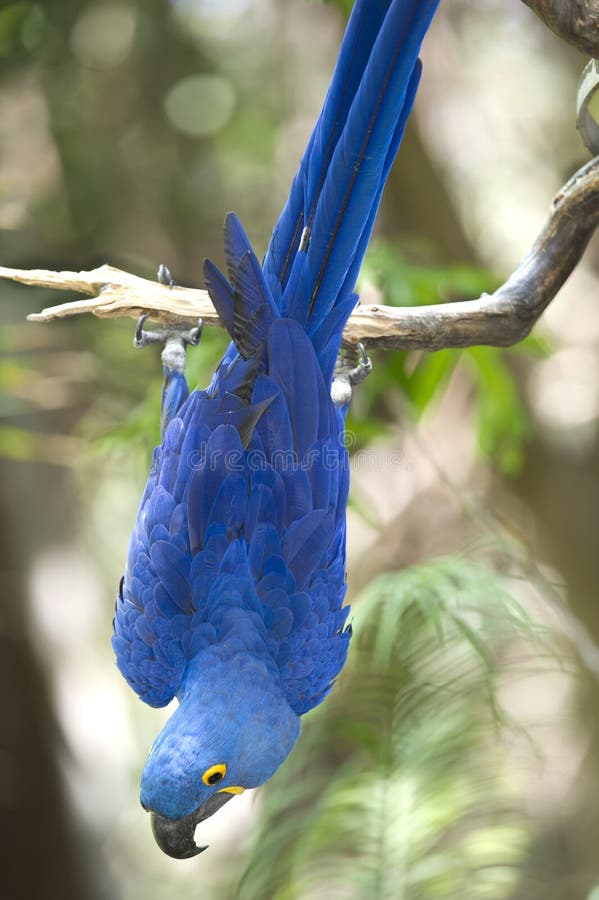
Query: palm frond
x=398, y=789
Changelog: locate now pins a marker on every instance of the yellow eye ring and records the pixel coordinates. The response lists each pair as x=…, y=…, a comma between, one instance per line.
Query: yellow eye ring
x=214, y=774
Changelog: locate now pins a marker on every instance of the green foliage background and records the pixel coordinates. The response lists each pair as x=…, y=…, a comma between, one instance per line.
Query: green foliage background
x=402, y=785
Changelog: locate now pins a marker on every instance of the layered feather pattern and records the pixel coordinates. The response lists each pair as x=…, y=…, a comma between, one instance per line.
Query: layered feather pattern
x=257, y=528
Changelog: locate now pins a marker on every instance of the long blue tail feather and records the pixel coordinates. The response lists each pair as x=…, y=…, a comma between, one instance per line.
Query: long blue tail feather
x=361, y=32
x=327, y=336
x=362, y=29
x=359, y=164
x=354, y=268
x=338, y=188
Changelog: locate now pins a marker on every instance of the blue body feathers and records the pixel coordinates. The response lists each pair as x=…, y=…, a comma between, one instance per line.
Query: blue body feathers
x=232, y=598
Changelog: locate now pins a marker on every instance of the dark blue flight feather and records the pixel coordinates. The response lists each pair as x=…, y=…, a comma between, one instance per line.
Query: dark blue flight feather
x=357, y=44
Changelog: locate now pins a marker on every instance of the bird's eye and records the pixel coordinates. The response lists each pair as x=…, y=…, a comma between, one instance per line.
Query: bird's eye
x=214, y=774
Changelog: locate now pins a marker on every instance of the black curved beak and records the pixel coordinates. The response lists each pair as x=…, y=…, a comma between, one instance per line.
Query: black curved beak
x=175, y=836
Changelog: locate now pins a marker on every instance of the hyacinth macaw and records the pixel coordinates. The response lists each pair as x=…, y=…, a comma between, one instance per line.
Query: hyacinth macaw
x=235, y=578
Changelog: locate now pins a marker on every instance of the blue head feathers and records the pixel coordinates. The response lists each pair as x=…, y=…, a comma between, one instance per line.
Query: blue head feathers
x=232, y=730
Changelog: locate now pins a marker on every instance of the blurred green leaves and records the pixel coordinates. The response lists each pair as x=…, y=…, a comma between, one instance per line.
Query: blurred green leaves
x=503, y=423
x=103, y=35
x=407, y=274
x=399, y=789
x=422, y=378
x=212, y=94
x=21, y=27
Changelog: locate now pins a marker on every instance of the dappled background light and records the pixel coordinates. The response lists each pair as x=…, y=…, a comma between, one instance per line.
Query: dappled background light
x=200, y=105
x=103, y=35
x=458, y=754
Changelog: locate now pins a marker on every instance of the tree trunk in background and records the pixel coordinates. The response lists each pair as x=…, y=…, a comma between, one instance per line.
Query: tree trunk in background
x=564, y=495
x=416, y=199
x=42, y=852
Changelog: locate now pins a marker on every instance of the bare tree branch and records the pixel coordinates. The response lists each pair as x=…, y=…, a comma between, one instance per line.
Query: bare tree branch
x=500, y=319
x=575, y=21
x=117, y=293
x=507, y=316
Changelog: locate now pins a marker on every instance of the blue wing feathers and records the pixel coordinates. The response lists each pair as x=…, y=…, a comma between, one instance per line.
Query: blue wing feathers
x=230, y=505
x=223, y=456
x=221, y=293
x=241, y=529
x=172, y=569
x=236, y=242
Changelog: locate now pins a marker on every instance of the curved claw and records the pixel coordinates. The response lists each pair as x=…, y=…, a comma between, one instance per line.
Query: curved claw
x=164, y=275
x=366, y=361
x=195, y=335
x=363, y=369
x=138, y=340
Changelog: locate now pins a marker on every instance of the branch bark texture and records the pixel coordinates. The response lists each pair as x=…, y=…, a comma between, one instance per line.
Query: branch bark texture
x=575, y=21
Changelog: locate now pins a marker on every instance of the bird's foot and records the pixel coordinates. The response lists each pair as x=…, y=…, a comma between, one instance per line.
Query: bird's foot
x=346, y=377
x=175, y=339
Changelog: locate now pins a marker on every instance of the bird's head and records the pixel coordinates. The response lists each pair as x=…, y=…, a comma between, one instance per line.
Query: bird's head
x=232, y=730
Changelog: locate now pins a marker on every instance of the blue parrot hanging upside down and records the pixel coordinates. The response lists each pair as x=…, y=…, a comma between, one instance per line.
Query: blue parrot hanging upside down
x=235, y=578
